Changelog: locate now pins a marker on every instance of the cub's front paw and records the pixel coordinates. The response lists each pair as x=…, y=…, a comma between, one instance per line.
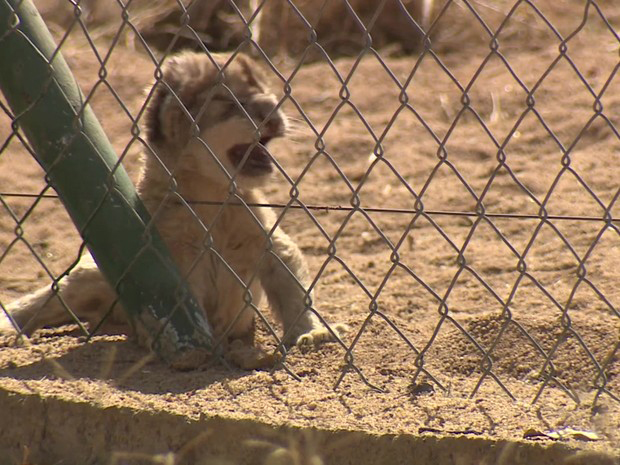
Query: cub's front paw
x=318, y=336
x=249, y=357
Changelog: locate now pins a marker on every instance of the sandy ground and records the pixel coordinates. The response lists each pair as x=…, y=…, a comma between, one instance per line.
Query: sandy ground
x=385, y=273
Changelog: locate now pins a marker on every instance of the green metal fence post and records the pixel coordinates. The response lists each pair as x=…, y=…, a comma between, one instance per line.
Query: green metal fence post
x=81, y=166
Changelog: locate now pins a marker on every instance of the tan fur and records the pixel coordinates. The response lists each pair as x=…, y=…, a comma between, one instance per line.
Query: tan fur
x=219, y=249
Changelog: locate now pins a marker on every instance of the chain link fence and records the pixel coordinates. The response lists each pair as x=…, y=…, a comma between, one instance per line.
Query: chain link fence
x=449, y=175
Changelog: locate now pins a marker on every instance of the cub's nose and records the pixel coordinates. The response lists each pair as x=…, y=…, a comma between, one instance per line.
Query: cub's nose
x=269, y=119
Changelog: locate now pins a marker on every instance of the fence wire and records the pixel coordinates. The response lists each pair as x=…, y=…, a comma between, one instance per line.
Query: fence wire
x=297, y=44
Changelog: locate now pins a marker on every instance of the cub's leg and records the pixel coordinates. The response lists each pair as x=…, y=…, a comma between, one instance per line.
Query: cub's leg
x=85, y=291
x=284, y=277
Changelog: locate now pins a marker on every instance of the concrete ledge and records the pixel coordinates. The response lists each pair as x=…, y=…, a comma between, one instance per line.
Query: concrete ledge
x=57, y=431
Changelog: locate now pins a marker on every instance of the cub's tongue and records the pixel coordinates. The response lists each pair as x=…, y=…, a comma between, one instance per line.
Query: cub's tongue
x=258, y=161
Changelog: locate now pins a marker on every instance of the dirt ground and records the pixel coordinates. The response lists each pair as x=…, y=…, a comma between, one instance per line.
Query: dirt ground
x=558, y=150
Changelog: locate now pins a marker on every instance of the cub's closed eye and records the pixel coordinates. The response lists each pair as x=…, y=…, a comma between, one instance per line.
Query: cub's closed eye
x=220, y=98
x=229, y=99
x=230, y=107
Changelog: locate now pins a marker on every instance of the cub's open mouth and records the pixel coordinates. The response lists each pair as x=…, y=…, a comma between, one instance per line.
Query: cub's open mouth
x=258, y=161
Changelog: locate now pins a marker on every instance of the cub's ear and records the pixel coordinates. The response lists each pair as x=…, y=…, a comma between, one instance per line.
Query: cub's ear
x=251, y=71
x=153, y=124
x=175, y=97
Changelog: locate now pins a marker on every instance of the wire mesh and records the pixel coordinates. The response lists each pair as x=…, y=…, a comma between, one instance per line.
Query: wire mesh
x=445, y=224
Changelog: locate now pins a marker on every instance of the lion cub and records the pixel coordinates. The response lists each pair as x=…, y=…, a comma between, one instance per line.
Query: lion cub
x=206, y=128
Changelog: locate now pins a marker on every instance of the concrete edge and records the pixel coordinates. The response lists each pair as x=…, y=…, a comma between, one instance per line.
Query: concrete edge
x=56, y=431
